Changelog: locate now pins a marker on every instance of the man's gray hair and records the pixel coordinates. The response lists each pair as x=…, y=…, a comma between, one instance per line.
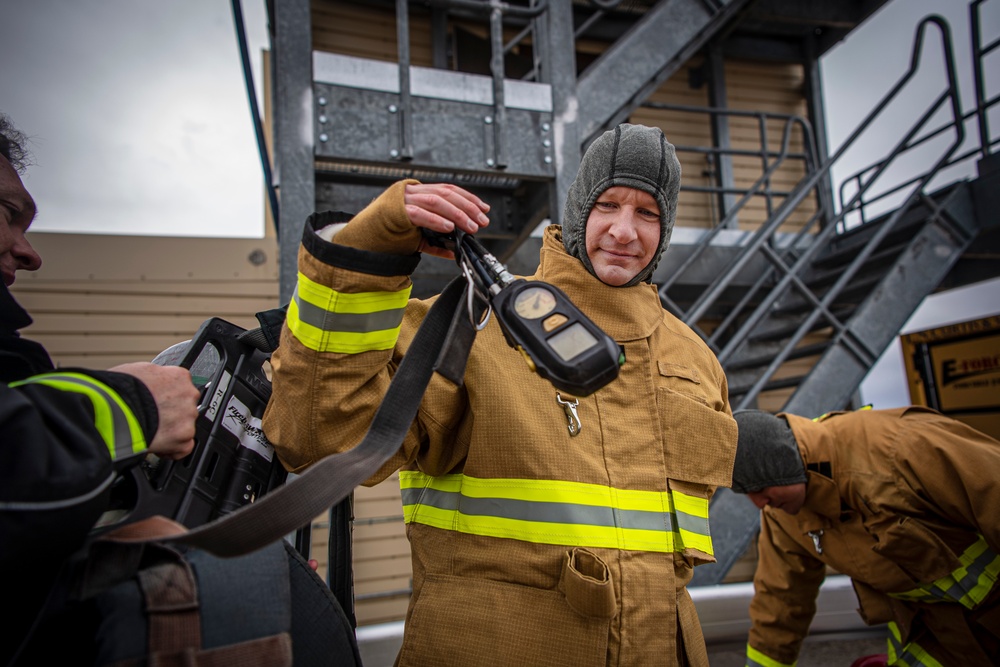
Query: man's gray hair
x=13, y=144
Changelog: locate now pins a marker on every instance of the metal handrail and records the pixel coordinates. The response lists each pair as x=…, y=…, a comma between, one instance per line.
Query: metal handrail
x=790, y=277
x=856, y=178
x=757, y=189
x=787, y=265
x=979, y=52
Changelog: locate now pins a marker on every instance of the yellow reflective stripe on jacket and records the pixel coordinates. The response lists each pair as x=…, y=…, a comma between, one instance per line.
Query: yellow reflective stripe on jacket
x=826, y=415
x=557, y=512
x=968, y=585
x=911, y=654
x=326, y=320
x=757, y=659
x=113, y=418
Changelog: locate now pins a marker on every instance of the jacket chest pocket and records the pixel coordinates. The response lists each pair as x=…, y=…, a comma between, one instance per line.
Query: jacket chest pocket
x=699, y=442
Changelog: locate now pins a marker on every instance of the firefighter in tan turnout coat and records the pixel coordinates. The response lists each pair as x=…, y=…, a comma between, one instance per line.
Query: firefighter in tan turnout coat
x=905, y=501
x=530, y=545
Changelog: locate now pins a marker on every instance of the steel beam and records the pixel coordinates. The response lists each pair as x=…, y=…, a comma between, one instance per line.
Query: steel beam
x=646, y=56
x=561, y=76
x=723, y=161
x=919, y=270
x=293, y=134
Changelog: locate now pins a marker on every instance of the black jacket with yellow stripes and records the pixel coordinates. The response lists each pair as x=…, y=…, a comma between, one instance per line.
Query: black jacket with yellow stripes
x=57, y=463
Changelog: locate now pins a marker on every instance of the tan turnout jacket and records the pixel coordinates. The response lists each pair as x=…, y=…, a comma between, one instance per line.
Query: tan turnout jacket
x=907, y=503
x=529, y=546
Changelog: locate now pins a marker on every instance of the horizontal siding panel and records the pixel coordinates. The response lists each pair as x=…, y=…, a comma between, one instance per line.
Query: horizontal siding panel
x=99, y=257
x=28, y=283
x=387, y=543
x=772, y=401
x=60, y=323
x=394, y=546
x=109, y=304
x=378, y=531
x=103, y=361
x=387, y=488
x=399, y=587
x=374, y=575
x=372, y=567
x=380, y=507
x=382, y=610
x=382, y=564
x=115, y=313
x=120, y=344
x=368, y=32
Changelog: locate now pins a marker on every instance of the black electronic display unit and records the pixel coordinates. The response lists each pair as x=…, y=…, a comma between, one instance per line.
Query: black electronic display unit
x=557, y=339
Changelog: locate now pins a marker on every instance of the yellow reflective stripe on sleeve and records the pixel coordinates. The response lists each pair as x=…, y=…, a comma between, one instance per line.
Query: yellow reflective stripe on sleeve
x=113, y=418
x=968, y=585
x=910, y=655
x=557, y=512
x=326, y=320
x=757, y=659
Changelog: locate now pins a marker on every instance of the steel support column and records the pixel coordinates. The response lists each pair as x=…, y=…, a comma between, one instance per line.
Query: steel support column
x=293, y=132
x=813, y=89
x=657, y=46
x=722, y=162
x=561, y=76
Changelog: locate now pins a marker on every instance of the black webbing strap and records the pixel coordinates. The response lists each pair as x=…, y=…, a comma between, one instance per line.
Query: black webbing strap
x=333, y=478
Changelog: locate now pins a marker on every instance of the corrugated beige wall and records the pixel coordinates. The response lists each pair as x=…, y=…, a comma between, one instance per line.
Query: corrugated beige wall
x=102, y=300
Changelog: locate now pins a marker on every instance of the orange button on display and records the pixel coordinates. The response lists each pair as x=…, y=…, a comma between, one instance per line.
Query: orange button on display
x=554, y=322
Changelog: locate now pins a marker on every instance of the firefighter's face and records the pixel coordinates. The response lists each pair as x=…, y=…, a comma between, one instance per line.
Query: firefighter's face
x=788, y=498
x=17, y=210
x=623, y=234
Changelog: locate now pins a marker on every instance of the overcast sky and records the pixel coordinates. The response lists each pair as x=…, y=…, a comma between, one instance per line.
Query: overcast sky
x=140, y=125
x=138, y=114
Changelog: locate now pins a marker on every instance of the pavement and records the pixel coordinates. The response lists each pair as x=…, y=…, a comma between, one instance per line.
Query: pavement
x=838, y=651
x=825, y=651
x=837, y=638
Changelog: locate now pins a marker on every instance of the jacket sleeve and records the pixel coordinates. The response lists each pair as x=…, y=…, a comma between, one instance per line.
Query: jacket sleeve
x=348, y=325
x=786, y=584
x=64, y=434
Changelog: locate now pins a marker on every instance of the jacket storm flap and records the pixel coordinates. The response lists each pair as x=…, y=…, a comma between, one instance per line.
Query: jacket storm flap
x=529, y=546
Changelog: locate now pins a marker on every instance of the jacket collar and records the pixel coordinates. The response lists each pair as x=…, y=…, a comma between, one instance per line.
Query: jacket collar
x=822, y=497
x=624, y=313
x=19, y=357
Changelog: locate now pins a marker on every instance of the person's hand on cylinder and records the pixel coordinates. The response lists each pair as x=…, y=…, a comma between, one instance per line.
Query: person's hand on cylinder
x=441, y=207
x=177, y=403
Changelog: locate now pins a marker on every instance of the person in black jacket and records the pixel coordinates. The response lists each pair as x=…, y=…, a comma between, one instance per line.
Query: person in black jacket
x=64, y=433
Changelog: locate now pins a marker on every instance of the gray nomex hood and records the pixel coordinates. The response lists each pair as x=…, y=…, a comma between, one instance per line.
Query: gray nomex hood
x=633, y=156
